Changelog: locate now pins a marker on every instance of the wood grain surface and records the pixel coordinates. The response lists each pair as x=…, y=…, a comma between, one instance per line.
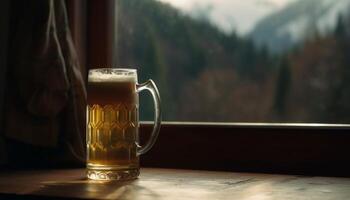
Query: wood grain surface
x=171, y=184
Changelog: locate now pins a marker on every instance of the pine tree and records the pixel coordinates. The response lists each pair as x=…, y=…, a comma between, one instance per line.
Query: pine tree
x=340, y=30
x=283, y=86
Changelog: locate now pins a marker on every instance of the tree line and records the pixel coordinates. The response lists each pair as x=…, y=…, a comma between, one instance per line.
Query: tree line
x=206, y=75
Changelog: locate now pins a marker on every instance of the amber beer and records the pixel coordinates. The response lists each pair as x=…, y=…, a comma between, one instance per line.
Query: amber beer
x=112, y=124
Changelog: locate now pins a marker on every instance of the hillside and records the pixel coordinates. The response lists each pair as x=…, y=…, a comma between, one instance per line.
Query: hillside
x=206, y=75
x=173, y=48
x=320, y=74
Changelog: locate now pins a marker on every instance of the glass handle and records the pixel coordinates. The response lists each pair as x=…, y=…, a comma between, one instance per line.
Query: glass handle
x=152, y=88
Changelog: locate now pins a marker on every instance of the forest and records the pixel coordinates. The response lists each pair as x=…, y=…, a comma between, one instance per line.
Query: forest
x=204, y=74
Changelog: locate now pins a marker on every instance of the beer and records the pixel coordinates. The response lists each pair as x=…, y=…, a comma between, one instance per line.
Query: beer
x=112, y=123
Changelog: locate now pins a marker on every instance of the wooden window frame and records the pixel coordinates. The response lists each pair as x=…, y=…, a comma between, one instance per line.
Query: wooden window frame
x=312, y=149
x=308, y=149
x=92, y=32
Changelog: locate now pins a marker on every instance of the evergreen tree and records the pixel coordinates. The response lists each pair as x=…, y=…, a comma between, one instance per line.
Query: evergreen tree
x=340, y=29
x=283, y=86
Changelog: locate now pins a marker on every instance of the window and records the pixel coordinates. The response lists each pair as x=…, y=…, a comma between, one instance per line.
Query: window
x=311, y=149
x=239, y=61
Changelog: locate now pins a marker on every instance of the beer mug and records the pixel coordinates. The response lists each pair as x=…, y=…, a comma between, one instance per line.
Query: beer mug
x=112, y=132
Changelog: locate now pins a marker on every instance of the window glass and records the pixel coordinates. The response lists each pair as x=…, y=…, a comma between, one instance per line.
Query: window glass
x=239, y=61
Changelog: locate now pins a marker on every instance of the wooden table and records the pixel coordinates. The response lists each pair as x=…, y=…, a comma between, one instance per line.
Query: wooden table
x=171, y=184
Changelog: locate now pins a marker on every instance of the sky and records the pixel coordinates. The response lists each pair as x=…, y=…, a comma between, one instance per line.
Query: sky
x=228, y=15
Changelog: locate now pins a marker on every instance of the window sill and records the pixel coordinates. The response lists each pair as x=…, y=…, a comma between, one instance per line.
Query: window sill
x=254, y=125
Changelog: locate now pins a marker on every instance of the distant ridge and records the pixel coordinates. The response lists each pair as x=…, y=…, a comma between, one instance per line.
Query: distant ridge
x=299, y=20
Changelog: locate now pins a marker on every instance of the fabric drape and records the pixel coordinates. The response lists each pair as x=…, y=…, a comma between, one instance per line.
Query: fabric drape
x=45, y=96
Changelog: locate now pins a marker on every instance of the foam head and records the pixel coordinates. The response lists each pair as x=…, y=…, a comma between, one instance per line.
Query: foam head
x=112, y=75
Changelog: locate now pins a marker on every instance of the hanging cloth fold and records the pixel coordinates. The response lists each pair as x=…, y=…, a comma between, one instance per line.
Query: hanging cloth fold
x=45, y=96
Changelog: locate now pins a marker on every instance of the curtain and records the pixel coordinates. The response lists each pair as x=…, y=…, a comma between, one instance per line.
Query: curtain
x=44, y=97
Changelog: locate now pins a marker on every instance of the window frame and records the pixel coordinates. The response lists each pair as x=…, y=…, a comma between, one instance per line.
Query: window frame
x=311, y=149
x=308, y=149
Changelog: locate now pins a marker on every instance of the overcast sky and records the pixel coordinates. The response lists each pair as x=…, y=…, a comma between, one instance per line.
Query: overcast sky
x=240, y=15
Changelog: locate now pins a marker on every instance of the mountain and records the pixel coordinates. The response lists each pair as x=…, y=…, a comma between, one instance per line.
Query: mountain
x=173, y=48
x=204, y=74
x=298, y=21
